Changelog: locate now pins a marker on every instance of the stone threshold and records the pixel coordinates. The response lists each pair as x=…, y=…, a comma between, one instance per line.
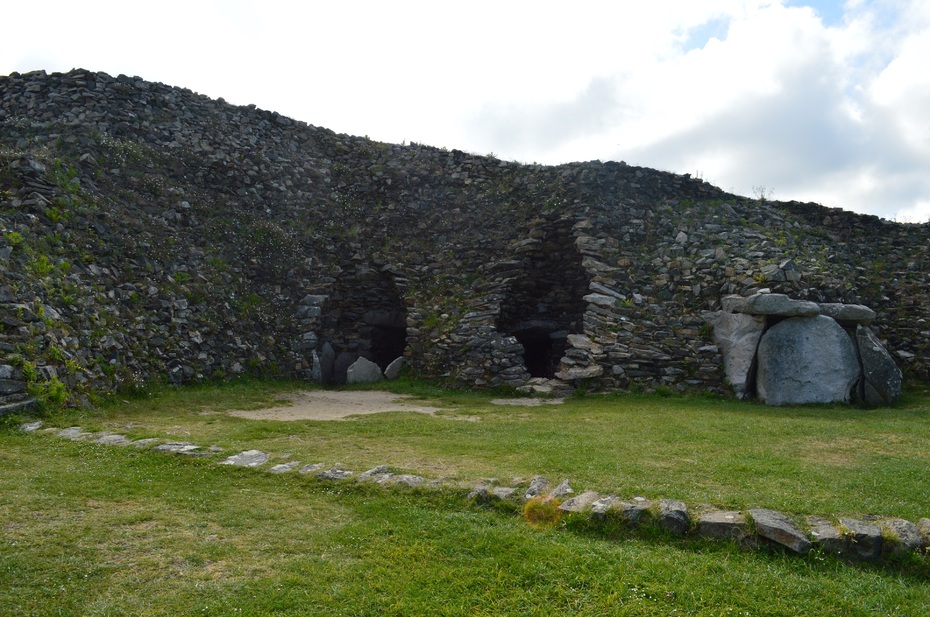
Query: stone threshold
x=869, y=539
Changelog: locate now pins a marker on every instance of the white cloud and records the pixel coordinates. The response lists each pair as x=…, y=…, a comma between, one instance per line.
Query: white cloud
x=818, y=99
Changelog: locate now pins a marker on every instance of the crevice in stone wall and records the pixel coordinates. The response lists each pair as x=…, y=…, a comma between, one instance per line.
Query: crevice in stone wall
x=545, y=300
x=366, y=317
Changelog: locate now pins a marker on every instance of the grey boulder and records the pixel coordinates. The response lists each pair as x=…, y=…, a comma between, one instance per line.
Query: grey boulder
x=737, y=335
x=882, y=379
x=363, y=371
x=780, y=529
x=806, y=360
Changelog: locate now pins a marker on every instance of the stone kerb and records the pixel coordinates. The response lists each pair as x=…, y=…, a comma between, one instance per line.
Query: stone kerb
x=791, y=352
x=871, y=539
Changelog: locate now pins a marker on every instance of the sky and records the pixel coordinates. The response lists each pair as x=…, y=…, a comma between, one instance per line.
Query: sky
x=809, y=100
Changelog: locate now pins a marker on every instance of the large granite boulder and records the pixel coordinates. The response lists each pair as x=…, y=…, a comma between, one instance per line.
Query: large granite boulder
x=363, y=371
x=737, y=335
x=882, y=379
x=806, y=360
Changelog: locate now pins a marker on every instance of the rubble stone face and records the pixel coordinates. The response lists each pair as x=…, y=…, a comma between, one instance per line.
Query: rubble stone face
x=215, y=240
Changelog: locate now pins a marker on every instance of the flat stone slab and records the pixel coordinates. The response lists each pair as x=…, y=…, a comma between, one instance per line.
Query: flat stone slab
x=363, y=371
x=777, y=305
x=72, y=432
x=780, y=529
x=145, y=443
x=737, y=336
x=848, y=314
x=310, y=468
x=579, y=503
x=392, y=370
x=403, y=479
x=31, y=427
x=503, y=492
x=334, y=474
x=177, y=447
x=249, y=458
x=865, y=539
x=284, y=467
x=113, y=440
x=722, y=525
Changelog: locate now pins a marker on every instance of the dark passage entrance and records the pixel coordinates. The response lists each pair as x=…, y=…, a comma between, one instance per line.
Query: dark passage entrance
x=367, y=318
x=540, y=353
x=546, y=302
x=385, y=333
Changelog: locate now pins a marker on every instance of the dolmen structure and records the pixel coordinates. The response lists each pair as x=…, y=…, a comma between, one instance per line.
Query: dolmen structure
x=788, y=351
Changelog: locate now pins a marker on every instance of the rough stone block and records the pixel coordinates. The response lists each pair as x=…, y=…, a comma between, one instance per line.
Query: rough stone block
x=806, y=360
x=393, y=369
x=579, y=503
x=737, y=336
x=363, y=371
x=564, y=489
x=537, y=487
x=865, y=539
x=636, y=512
x=722, y=525
x=906, y=536
x=284, y=467
x=602, y=506
x=780, y=529
x=827, y=536
x=249, y=458
x=334, y=474
x=374, y=472
x=673, y=517
x=882, y=379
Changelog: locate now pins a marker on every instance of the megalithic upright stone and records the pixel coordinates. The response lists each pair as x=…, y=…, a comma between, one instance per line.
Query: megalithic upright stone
x=806, y=360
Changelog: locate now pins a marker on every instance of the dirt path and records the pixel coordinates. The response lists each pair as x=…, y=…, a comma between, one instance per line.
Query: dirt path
x=334, y=405
x=331, y=405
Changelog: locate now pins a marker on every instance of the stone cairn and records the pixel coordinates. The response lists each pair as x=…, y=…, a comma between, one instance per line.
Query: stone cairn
x=792, y=352
x=870, y=538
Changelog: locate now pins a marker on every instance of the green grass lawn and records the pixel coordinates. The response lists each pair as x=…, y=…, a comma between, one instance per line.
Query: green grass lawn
x=98, y=530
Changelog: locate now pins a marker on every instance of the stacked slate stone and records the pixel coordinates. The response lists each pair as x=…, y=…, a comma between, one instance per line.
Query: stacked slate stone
x=153, y=233
x=792, y=352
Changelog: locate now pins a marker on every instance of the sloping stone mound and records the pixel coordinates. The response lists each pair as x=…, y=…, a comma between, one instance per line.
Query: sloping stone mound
x=806, y=360
x=153, y=233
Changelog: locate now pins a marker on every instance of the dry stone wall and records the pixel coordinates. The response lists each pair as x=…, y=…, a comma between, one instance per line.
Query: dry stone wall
x=153, y=233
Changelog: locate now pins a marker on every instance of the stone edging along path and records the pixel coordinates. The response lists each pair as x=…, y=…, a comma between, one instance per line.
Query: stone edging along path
x=872, y=539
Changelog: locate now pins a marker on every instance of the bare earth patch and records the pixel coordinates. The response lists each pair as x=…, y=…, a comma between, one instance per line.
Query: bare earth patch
x=331, y=405
x=527, y=402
